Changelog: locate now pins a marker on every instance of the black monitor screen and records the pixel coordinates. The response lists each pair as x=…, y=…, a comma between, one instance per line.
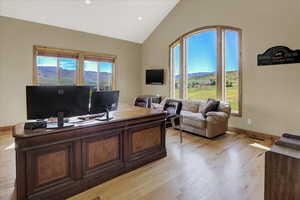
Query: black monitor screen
x=103, y=100
x=155, y=77
x=46, y=101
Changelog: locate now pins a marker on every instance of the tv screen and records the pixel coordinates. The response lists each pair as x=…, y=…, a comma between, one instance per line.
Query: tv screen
x=46, y=101
x=155, y=77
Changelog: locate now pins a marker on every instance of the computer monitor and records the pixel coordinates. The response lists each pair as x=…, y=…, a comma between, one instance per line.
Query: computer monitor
x=104, y=101
x=47, y=101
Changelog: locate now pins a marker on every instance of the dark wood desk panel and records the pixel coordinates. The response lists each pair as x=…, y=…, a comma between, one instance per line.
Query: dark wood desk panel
x=282, y=173
x=58, y=163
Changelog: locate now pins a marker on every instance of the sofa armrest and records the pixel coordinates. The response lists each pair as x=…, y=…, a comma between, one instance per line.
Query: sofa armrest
x=217, y=123
x=217, y=116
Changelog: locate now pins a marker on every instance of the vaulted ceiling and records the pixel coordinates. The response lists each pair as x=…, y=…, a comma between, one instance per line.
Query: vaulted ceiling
x=131, y=20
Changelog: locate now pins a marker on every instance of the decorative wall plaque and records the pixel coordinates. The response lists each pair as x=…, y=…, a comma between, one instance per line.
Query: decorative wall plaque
x=278, y=55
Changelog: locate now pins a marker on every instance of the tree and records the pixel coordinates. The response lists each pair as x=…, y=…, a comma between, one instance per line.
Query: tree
x=212, y=81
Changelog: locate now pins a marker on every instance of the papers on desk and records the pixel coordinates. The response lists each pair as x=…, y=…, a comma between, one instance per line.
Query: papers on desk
x=87, y=122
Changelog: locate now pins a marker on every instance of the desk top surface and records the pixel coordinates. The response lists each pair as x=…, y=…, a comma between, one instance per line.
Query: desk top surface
x=124, y=113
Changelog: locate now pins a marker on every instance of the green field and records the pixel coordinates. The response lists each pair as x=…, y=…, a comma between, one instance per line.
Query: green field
x=199, y=88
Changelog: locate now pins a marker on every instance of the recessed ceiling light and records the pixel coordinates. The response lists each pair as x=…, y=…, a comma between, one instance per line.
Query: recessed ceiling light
x=140, y=18
x=87, y=2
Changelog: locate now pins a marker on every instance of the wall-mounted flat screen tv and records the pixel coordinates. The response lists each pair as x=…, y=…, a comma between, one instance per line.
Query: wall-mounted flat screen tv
x=155, y=77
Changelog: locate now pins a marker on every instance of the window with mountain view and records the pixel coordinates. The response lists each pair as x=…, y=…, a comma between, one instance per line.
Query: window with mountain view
x=56, y=71
x=67, y=69
x=232, y=68
x=54, y=66
x=201, y=64
x=211, y=65
x=98, y=74
x=90, y=73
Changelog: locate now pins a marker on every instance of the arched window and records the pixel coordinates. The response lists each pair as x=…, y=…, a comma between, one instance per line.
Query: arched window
x=206, y=63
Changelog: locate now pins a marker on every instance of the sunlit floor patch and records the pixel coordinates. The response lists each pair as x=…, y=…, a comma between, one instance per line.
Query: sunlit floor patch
x=260, y=146
x=11, y=146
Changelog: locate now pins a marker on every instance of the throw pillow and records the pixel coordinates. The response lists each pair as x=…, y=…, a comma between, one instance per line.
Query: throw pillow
x=212, y=105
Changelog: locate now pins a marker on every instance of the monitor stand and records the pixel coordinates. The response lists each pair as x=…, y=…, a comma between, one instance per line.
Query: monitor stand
x=54, y=125
x=60, y=122
x=107, y=116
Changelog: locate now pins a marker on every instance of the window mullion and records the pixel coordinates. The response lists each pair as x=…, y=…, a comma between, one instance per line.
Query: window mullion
x=98, y=76
x=80, y=70
x=58, y=70
x=220, y=65
x=183, y=91
x=35, y=70
x=223, y=71
x=114, y=76
x=172, y=70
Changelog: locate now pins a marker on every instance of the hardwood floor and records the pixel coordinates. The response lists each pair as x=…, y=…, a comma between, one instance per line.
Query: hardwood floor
x=228, y=167
x=7, y=166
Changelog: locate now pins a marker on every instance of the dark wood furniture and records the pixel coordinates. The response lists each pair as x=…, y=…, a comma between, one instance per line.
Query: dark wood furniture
x=174, y=120
x=173, y=109
x=282, y=170
x=56, y=164
x=144, y=102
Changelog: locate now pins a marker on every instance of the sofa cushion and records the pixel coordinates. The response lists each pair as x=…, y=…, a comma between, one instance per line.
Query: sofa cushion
x=190, y=105
x=193, y=119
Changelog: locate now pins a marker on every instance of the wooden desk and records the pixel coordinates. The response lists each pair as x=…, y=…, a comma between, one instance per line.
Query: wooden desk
x=282, y=173
x=56, y=164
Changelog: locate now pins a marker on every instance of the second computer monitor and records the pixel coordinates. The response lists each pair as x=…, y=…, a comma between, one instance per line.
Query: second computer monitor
x=104, y=101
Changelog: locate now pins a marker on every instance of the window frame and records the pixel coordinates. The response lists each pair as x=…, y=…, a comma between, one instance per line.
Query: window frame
x=220, y=63
x=77, y=54
x=172, y=69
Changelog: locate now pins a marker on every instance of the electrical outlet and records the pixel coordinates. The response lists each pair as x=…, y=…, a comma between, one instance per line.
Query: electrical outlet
x=249, y=121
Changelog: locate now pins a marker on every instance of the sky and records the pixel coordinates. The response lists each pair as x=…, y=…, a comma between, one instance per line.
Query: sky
x=202, y=52
x=70, y=64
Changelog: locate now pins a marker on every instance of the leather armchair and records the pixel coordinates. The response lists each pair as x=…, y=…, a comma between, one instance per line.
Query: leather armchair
x=173, y=109
x=144, y=102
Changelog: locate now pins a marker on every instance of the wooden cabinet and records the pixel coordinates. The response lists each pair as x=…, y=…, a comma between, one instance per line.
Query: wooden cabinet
x=60, y=163
x=282, y=171
x=51, y=165
x=102, y=157
x=145, y=143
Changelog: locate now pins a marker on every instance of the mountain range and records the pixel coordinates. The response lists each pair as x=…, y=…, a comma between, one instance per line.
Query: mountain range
x=197, y=74
x=49, y=73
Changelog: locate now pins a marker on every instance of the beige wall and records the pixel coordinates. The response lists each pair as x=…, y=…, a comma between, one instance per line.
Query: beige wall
x=16, y=41
x=271, y=97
